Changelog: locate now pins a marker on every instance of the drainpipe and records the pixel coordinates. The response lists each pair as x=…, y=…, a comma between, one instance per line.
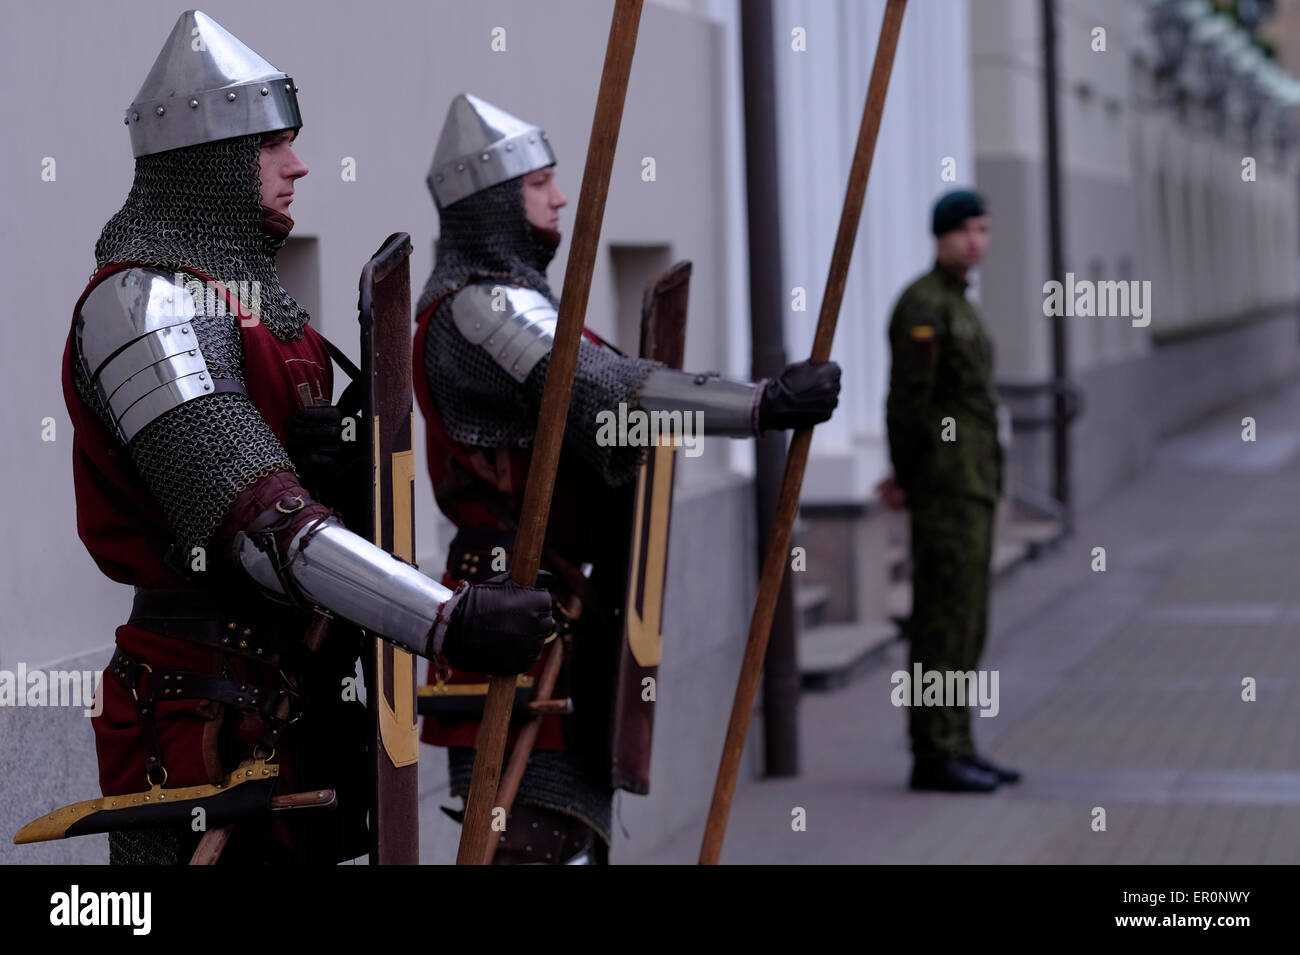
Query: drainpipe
x=781, y=685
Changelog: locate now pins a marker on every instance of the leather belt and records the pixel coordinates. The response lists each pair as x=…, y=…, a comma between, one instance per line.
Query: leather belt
x=201, y=616
x=469, y=557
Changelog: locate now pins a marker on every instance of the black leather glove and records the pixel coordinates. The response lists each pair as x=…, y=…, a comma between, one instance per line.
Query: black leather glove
x=499, y=627
x=805, y=394
x=332, y=470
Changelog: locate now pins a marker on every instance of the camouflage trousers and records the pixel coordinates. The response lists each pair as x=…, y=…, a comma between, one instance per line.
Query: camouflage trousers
x=952, y=543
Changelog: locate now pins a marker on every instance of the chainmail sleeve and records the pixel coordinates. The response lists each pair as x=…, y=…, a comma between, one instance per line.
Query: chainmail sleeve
x=482, y=406
x=604, y=379
x=198, y=456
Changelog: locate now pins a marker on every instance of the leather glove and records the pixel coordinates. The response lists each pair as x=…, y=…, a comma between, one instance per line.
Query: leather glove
x=332, y=469
x=315, y=439
x=805, y=394
x=499, y=627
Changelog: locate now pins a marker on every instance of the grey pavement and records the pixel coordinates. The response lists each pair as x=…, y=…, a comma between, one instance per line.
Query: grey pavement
x=1120, y=690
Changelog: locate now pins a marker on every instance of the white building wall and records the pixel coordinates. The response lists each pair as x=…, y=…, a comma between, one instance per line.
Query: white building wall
x=927, y=119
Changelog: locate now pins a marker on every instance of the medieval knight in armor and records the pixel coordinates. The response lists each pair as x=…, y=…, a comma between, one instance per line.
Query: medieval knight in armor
x=485, y=324
x=204, y=475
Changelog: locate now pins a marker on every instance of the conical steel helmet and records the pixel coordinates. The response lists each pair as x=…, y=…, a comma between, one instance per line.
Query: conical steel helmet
x=480, y=146
x=207, y=85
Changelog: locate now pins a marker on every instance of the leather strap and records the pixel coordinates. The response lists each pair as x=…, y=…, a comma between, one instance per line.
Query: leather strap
x=202, y=617
x=166, y=685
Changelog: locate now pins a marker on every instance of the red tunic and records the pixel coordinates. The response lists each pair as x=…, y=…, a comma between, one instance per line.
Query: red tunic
x=123, y=528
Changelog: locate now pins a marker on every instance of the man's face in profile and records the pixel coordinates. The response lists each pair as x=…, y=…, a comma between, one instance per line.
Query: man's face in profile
x=966, y=245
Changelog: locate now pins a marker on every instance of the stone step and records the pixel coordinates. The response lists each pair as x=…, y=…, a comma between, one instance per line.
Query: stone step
x=810, y=602
x=832, y=654
x=1007, y=554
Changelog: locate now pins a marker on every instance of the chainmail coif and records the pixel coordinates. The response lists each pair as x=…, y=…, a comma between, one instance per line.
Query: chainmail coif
x=486, y=237
x=201, y=206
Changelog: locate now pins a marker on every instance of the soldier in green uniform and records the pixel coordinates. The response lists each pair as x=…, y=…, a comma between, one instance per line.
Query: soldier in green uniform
x=943, y=439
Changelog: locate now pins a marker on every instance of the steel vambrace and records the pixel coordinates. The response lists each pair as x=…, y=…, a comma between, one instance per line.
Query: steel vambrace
x=329, y=567
x=727, y=408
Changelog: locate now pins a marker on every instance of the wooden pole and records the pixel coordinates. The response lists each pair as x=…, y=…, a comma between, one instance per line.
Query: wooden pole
x=209, y=848
x=787, y=506
x=476, y=834
x=524, y=742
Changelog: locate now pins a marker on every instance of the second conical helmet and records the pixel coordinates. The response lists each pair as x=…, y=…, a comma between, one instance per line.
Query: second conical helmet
x=480, y=146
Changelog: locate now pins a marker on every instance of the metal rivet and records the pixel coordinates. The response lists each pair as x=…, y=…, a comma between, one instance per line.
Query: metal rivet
x=534, y=825
x=231, y=625
x=510, y=147
x=202, y=375
x=126, y=121
x=248, y=631
x=230, y=97
x=242, y=643
x=460, y=167
x=555, y=832
x=266, y=772
x=194, y=351
x=207, y=387
x=485, y=157
x=264, y=91
x=160, y=111
x=194, y=104
x=185, y=330
x=135, y=116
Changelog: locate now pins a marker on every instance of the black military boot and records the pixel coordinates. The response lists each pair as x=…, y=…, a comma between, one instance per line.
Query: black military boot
x=950, y=774
x=1005, y=774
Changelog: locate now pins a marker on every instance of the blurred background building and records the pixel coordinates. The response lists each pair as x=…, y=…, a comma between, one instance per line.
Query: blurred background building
x=1159, y=117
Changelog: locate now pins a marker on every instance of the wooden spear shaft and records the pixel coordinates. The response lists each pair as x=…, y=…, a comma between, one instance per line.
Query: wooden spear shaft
x=778, y=545
x=477, y=832
x=526, y=739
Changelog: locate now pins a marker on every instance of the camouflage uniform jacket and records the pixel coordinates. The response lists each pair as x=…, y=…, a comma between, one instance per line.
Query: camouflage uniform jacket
x=942, y=368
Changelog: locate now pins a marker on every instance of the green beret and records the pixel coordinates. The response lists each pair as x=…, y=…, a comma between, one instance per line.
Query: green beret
x=956, y=207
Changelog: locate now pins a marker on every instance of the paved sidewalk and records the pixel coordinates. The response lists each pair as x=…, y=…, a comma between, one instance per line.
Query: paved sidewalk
x=1120, y=690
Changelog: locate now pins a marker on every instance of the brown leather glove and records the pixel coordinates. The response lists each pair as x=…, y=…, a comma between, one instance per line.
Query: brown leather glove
x=499, y=627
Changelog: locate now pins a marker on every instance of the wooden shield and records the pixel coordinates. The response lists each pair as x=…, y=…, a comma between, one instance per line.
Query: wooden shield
x=663, y=338
x=385, y=316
